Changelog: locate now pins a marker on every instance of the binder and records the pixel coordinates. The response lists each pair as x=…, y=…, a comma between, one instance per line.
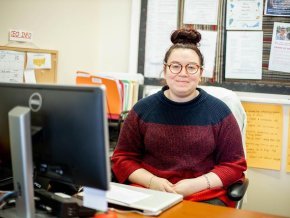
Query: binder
x=113, y=92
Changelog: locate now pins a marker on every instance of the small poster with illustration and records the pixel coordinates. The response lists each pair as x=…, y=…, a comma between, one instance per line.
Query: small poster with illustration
x=244, y=15
x=277, y=8
x=280, y=48
x=38, y=61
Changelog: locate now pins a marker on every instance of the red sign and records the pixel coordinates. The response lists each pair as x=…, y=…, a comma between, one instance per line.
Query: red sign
x=20, y=36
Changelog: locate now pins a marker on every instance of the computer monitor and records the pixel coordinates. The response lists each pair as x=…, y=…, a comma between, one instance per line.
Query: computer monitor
x=69, y=131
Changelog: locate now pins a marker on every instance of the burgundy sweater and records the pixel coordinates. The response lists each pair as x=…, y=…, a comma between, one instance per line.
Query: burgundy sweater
x=181, y=140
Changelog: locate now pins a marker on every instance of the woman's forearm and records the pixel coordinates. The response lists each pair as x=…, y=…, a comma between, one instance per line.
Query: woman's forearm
x=141, y=177
x=187, y=187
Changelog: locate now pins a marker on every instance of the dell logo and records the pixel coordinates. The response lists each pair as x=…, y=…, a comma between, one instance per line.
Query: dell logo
x=35, y=102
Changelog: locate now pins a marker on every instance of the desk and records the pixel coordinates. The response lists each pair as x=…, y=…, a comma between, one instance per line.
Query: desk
x=187, y=209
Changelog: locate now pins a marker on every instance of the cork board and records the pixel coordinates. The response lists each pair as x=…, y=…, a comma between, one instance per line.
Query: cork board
x=47, y=76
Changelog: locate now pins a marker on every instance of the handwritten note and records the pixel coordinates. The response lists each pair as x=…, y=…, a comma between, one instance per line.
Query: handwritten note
x=288, y=152
x=11, y=66
x=264, y=135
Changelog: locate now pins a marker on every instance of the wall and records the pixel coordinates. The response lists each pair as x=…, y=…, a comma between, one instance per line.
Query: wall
x=90, y=35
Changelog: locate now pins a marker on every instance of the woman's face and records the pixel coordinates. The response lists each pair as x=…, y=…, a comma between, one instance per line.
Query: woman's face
x=183, y=84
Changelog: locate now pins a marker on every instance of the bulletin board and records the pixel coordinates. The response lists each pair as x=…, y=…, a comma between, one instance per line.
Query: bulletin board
x=272, y=82
x=47, y=76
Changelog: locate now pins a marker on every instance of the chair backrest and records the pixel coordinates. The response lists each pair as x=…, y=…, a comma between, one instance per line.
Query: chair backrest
x=236, y=191
x=232, y=100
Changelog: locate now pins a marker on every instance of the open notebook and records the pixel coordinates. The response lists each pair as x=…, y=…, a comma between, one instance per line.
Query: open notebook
x=142, y=200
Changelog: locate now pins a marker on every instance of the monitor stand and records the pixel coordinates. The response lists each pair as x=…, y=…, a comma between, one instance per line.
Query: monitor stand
x=21, y=155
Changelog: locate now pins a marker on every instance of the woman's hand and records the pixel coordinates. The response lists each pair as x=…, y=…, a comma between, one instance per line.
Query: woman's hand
x=161, y=184
x=184, y=187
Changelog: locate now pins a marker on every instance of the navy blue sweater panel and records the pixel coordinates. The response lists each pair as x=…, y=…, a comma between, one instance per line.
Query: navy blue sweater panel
x=203, y=110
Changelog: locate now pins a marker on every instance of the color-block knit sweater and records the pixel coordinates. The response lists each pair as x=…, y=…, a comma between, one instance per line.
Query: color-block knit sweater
x=181, y=140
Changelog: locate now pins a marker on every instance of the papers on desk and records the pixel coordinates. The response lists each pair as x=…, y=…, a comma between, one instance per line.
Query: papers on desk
x=97, y=199
x=124, y=195
x=143, y=200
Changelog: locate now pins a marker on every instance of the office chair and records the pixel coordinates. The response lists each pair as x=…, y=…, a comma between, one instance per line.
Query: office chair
x=236, y=191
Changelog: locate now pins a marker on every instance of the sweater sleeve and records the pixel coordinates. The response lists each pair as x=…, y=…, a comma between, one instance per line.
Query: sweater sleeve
x=128, y=154
x=230, y=158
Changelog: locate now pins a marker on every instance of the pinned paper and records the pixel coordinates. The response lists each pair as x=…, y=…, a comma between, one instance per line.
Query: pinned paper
x=11, y=66
x=38, y=61
x=288, y=150
x=264, y=135
x=208, y=49
x=280, y=48
x=29, y=76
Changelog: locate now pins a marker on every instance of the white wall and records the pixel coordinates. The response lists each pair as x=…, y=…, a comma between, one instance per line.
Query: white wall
x=90, y=35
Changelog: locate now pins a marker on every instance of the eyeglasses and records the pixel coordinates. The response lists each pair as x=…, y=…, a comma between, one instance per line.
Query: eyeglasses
x=176, y=68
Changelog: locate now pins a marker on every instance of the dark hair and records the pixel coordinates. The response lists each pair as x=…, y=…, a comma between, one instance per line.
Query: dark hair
x=187, y=38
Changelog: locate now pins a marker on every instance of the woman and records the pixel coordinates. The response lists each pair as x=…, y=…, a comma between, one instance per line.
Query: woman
x=181, y=139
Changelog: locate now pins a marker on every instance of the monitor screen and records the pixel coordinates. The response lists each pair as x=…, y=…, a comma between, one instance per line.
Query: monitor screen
x=69, y=131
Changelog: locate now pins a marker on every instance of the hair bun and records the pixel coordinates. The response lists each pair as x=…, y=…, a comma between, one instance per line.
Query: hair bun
x=185, y=36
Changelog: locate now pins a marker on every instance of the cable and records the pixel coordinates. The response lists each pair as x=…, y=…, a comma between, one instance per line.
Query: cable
x=6, y=181
x=6, y=195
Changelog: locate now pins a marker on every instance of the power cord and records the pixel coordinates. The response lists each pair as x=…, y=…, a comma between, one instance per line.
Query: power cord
x=6, y=197
x=6, y=182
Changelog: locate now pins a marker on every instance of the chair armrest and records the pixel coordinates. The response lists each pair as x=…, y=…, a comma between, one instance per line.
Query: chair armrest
x=236, y=191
